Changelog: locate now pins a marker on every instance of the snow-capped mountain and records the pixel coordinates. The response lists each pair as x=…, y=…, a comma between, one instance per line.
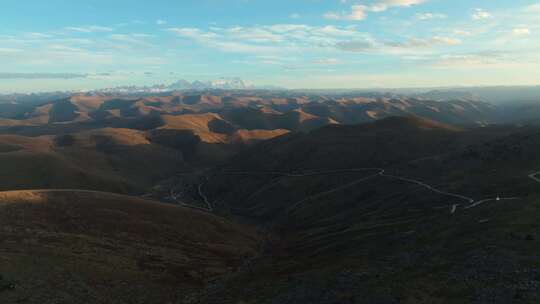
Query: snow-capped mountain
x=184, y=85
x=222, y=83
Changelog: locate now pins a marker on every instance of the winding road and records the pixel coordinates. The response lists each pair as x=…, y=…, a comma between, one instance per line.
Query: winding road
x=176, y=198
x=498, y=199
x=285, y=174
x=380, y=173
x=534, y=178
x=204, y=197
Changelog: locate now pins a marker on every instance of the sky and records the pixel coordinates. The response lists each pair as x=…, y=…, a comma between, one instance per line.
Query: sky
x=316, y=44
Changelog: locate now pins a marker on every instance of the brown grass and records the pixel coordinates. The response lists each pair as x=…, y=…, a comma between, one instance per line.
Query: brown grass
x=198, y=123
x=75, y=246
x=253, y=136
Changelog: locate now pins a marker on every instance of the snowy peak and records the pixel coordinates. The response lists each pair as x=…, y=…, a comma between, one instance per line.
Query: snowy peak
x=222, y=83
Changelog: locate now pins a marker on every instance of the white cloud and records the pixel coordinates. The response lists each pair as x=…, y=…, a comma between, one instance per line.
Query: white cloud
x=131, y=38
x=161, y=22
x=9, y=51
x=295, y=16
x=278, y=35
x=445, y=41
x=62, y=50
x=522, y=31
x=480, y=14
x=327, y=61
x=333, y=16
x=194, y=33
x=364, y=45
x=90, y=29
x=460, y=32
x=534, y=8
x=386, y=4
x=475, y=60
x=37, y=35
x=359, y=12
x=261, y=35
x=425, y=43
x=430, y=16
x=287, y=39
x=10, y=76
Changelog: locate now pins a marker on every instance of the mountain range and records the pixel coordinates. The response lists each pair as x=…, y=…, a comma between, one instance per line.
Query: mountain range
x=184, y=85
x=247, y=196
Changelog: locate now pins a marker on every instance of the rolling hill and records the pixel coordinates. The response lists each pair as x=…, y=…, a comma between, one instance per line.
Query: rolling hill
x=362, y=198
x=428, y=224
x=81, y=247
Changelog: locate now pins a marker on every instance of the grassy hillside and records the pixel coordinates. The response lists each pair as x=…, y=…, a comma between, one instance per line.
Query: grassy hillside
x=82, y=247
x=410, y=208
x=484, y=255
x=359, y=237
x=104, y=159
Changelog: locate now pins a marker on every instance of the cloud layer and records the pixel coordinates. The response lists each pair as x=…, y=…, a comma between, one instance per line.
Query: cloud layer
x=41, y=76
x=430, y=39
x=360, y=11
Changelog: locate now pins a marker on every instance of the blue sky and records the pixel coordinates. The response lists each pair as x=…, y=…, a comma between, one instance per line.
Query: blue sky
x=61, y=44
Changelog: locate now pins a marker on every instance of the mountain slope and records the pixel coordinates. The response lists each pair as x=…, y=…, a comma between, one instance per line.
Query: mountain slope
x=82, y=247
x=102, y=159
x=403, y=210
x=345, y=146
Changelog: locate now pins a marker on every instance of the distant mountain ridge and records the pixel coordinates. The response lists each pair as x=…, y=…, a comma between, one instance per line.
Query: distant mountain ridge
x=223, y=83
x=249, y=109
x=122, y=136
x=372, y=196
